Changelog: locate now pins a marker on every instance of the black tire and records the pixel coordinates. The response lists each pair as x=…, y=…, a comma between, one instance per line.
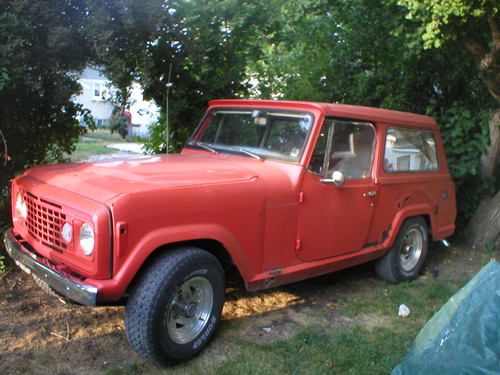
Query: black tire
x=391, y=266
x=152, y=303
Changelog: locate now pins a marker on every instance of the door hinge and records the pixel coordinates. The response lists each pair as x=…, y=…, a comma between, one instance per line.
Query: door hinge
x=301, y=197
x=297, y=245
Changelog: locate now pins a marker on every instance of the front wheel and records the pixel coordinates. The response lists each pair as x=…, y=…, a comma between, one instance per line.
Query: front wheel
x=406, y=257
x=175, y=307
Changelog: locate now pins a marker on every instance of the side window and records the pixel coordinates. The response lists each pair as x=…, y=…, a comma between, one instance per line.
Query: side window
x=344, y=146
x=409, y=150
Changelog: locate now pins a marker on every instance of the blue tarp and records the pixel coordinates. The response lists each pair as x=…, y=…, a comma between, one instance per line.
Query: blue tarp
x=464, y=336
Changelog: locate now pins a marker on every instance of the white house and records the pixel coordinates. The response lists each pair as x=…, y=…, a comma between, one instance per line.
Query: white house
x=96, y=96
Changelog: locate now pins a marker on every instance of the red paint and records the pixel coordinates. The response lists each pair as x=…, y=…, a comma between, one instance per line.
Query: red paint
x=276, y=219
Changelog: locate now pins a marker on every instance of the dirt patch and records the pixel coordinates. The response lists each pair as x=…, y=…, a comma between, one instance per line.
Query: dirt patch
x=40, y=335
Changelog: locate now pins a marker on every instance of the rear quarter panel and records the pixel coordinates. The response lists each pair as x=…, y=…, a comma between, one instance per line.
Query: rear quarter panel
x=403, y=195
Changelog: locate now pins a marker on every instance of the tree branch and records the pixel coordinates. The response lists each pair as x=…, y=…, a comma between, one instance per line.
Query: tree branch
x=474, y=46
x=495, y=30
x=5, y=155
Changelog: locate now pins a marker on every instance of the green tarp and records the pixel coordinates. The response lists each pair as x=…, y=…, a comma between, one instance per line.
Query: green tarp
x=464, y=336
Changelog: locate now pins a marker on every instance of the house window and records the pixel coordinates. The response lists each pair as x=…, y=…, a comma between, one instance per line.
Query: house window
x=410, y=150
x=100, y=91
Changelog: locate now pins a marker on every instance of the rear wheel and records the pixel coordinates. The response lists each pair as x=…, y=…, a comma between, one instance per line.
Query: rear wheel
x=175, y=307
x=406, y=257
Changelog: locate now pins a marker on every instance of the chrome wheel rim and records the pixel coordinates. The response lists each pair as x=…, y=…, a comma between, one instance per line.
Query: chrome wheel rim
x=411, y=249
x=189, y=310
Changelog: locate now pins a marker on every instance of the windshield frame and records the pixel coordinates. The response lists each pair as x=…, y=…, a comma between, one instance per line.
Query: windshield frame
x=195, y=137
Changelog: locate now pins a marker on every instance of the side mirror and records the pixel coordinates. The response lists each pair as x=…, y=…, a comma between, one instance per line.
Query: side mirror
x=337, y=178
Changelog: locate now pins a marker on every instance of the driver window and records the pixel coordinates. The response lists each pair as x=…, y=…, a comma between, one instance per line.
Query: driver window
x=344, y=146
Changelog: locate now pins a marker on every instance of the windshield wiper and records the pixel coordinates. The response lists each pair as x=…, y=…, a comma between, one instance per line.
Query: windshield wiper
x=203, y=146
x=246, y=152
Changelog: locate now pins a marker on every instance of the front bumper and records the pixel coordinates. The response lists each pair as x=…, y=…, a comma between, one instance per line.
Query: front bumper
x=28, y=262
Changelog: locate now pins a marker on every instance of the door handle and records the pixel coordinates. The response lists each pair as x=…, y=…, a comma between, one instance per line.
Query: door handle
x=371, y=193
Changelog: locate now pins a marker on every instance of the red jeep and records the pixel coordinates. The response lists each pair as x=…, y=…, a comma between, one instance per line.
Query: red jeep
x=282, y=190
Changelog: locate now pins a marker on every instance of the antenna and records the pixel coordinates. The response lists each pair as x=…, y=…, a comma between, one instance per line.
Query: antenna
x=169, y=85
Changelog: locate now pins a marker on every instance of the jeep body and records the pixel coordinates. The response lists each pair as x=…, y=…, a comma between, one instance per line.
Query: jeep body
x=282, y=190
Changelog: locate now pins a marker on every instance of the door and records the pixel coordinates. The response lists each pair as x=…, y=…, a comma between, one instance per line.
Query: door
x=334, y=219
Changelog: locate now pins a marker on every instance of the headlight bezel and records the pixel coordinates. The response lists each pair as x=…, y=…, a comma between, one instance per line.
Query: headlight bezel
x=21, y=207
x=67, y=232
x=86, y=239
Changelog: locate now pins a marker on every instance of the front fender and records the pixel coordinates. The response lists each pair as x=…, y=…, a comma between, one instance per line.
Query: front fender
x=159, y=238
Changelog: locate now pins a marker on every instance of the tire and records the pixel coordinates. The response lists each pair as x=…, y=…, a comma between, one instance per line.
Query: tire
x=405, y=258
x=175, y=307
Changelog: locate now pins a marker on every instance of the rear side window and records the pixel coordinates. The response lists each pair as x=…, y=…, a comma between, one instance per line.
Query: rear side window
x=409, y=150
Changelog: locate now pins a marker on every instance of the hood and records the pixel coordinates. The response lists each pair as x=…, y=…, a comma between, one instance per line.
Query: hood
x=103, y=180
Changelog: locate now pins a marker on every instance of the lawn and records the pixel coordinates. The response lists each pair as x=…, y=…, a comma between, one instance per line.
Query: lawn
x=94, y=143
x=342, y=323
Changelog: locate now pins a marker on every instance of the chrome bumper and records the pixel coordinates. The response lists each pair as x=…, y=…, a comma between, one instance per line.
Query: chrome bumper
x=73, y=290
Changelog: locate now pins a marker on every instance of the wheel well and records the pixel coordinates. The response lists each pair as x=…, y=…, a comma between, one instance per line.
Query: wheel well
x=427, y=219
x=213, y=247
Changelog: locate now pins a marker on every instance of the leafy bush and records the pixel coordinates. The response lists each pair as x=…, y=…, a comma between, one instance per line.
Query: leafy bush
x=4, y=220
x=465, y=135
x=3, y=266
x=119, y=123
x=40, y=49
x=157, y=141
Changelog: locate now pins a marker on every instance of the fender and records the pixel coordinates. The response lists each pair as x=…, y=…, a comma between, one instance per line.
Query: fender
x=152, y=241
x=405, y=213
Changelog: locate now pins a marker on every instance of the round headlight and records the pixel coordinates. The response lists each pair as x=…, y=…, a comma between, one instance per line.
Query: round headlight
x=87, y=239
x=21, y=207
x=67, y=232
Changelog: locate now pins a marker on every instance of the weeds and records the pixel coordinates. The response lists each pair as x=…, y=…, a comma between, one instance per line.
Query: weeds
x=490, y=249
x=3, y=266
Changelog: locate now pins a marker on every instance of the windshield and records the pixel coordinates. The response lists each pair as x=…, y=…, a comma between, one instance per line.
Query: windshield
x=255, y=133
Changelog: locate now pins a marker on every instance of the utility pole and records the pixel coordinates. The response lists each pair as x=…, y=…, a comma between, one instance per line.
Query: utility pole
x=169, y=85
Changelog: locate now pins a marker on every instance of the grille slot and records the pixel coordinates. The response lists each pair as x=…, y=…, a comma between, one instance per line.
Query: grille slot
x=44, y=222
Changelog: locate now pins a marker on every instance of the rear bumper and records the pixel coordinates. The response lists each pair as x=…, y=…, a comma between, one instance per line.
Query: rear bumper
x=28, y=262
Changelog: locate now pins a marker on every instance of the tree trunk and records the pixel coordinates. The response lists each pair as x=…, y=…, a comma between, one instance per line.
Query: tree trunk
x=490, y=160
x=484, y=228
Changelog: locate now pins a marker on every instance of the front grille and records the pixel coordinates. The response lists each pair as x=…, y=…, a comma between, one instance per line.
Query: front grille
x=44, y=221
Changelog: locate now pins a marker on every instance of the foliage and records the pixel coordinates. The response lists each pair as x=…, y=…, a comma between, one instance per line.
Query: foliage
x=441, y=21
x=364, y=53
x=206, y=44
x=465, y=135
x=41, y=45
x=3, y=266
x=475, y=26
x=360, y=52
x=119, y=123
x=157, y=141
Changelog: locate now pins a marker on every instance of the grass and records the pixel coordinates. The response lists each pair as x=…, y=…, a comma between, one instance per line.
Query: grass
x=356, y=348
x=84, y=150
x=104, y=135
x=94, y=143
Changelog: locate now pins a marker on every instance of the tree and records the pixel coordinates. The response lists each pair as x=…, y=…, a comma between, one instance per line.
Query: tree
x=362, y=53
x=41, y=46
x=208, y=44
x=475, y=24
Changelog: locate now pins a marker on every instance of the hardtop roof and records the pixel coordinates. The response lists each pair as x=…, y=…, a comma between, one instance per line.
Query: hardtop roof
x=337, y=110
